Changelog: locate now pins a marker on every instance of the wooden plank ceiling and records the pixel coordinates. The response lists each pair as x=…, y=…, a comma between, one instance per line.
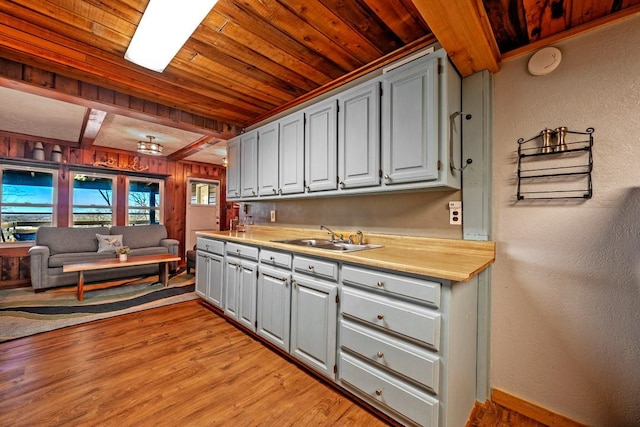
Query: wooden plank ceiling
x=250, y=59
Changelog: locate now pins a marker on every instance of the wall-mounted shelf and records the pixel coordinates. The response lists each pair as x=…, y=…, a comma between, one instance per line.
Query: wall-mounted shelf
x=555, y=164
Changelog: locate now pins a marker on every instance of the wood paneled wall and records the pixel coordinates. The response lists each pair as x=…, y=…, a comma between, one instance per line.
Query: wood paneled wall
x=15, y=260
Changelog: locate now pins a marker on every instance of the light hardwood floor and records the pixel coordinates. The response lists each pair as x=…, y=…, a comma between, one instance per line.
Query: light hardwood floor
x=178, y=365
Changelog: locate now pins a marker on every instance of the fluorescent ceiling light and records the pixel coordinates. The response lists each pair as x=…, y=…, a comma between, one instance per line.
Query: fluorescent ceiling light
x=165, y=27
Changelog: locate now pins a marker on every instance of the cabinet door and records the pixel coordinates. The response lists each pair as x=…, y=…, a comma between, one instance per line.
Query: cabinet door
x=231, y=286
x=359, y=137
x=215, y=272
x=201, y=274
x=292, y=154
x=321, y=148
x=313, y=323
x=410, y=123
x=233, y=168
x=268, y=159
x=249, y=164
x=247, y=294
x=274, y=306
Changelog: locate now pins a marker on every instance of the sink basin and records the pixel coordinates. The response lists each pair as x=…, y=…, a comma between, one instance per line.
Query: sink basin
x=327, y=245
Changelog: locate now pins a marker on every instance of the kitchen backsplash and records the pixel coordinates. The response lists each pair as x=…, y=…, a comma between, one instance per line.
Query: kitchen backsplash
x=421, y=214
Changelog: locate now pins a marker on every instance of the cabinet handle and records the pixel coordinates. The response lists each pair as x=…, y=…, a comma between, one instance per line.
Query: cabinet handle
x=380, y=316
x=253, y=192
x=380, y=284
x=308, y=189
x=378, y=392
x=275, y=191
x=272, y=259
x=380, y=354
x=280, y=191
x=387, y=177
x=311, y=267
x=341, y=184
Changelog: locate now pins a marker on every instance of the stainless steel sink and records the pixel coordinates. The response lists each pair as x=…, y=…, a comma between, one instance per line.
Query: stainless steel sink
x=327, y=244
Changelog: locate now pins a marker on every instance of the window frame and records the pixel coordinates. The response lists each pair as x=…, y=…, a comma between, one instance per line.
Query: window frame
x=159, y=209
x=114, y=191
x=54, y=203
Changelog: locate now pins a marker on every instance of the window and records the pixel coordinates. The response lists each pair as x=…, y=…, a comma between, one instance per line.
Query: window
x=203, y=193
x=27, y=201
x=93, y=198
x=144, y=201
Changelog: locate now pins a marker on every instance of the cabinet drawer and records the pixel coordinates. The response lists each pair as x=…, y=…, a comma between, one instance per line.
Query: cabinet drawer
x=390, y=391
x=243, y=251
x=423, y=290
x=208, y=245
x=316, y=268
x=398, y=355
x=274, y=258
x=407, y=319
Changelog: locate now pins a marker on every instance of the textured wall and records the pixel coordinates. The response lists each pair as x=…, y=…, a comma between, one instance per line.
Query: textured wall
x=566, y=282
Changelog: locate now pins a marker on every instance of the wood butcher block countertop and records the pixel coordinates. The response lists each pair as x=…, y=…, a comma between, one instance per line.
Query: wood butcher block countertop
x=455, y=260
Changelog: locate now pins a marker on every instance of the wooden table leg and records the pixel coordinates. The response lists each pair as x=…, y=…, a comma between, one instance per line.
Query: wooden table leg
x=164, y=273
x=80, y=284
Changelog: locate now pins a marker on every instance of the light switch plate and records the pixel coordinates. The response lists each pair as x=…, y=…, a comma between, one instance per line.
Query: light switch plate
x=273, y=216
x=455, y=213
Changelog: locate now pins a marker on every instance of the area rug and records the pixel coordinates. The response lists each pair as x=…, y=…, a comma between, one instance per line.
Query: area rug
x=24, y=312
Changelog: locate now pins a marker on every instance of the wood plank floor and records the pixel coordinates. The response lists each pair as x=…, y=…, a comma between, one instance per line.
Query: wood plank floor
x=178, y=365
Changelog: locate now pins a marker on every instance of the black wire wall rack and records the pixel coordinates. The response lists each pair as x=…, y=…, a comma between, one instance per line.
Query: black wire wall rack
x=556, y=164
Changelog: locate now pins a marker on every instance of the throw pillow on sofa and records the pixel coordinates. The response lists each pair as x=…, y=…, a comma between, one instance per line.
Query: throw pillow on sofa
x=109, y=242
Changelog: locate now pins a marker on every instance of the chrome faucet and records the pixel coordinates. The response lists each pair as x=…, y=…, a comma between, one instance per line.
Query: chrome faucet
x=333, y=234
x=360, y=237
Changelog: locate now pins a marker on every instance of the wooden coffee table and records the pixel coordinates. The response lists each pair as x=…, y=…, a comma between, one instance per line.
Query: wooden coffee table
x=162, y=261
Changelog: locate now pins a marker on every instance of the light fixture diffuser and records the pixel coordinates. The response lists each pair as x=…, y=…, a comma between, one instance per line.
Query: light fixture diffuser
x=150, y=147
x=165, y=27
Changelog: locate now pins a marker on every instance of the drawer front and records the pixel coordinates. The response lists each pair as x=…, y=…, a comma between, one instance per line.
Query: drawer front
x=277, y=259
x=407, y=319
x=423, y=290
x=249, y=252
x=208, y=245
x=402, y=357
x=316, y=268
x=390, y=391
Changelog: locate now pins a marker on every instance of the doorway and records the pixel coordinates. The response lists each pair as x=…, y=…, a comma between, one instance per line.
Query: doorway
x=203, y=209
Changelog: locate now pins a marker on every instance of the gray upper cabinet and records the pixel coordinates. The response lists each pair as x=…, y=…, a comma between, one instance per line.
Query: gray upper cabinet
x=410, y=130
x=392, y=132
x=249, y=164
x=268, y=138
x=420, y=147
x=359, y=136
x=291, y=171
x=233, y=168
x=321, y=147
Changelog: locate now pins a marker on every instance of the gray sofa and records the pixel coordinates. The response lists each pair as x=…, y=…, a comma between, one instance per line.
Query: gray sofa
x=56, y=246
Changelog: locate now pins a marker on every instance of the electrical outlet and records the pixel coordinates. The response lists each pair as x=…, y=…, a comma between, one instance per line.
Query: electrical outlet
x=273, y=216
x=455, y=213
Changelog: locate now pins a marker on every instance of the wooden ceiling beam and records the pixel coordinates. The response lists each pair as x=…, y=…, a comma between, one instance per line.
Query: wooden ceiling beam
x=194, y=147
x=91, y=126
x=463, y=29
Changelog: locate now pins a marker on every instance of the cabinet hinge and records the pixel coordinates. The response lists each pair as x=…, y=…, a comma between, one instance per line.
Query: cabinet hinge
x=380, y=173
x=335, y=369
x=439, y=164
x=337, y=299
x=440, y=68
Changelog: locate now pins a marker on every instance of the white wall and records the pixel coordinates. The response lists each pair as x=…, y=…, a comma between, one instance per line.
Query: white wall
x=565, y=317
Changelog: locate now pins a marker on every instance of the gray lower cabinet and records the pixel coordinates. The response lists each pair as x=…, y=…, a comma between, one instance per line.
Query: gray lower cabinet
x=241, y=284
x=209, y=270
x=314, y=309
x=274, y=298
x=407, y=345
